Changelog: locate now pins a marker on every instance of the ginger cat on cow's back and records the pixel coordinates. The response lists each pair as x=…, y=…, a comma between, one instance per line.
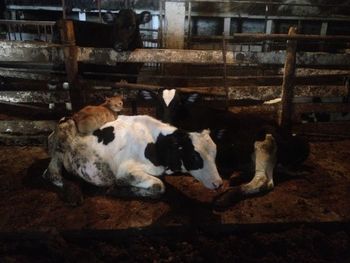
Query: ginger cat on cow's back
x=91, y=118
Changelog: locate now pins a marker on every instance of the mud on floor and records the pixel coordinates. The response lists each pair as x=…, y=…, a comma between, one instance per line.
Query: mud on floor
x=323, y=195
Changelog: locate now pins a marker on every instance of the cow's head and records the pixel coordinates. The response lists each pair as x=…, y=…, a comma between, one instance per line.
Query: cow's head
x=171, y=105
x=206, y=148
x=126, y=34
x=186, y=152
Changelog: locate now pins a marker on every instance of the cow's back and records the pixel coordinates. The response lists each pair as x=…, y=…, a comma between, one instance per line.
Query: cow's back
x=91, y=34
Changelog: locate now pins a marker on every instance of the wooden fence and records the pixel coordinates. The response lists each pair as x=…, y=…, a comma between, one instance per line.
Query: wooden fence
x=19, y=58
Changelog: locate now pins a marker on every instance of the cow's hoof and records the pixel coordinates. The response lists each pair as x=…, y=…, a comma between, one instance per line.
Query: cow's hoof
x=227, y=199
x=239, y=178
x=72, y=195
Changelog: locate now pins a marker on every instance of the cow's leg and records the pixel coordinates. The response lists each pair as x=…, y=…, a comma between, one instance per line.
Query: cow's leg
x=68, y=191
x=53, y=173
x=141, y=183
x=265, y=159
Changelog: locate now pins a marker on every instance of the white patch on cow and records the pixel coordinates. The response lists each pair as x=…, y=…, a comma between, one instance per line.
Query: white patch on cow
x=264, y=157
x=205, y=146
x=168, y=96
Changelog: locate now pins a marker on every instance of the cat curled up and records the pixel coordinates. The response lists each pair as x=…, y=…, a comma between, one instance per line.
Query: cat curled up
x=91, y=118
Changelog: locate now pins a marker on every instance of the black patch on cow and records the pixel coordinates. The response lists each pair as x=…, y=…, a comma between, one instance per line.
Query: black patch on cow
x=173, y=150
x=106, y=135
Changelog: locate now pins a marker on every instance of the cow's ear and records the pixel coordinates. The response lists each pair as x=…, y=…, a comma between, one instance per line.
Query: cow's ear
x=144, y=17
x=191, y=98
x=108, y=17
x=147, y=95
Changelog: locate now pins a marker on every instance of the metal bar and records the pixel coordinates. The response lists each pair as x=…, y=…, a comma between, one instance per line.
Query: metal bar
x=224, y=67
x=189, y=33
x=99, y=10
x=45, y=32
x=279, y=37
x=258, y=2
x=38, y=30
x=26, y=22
x=63, y=9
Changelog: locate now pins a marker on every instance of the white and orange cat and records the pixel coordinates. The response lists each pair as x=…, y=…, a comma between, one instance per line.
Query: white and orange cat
x=90, y=118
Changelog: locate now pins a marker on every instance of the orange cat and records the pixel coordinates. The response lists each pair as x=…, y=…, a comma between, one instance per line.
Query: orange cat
x=90, y=118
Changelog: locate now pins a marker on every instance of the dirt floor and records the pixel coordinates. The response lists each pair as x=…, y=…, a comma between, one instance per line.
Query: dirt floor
x=304, y=219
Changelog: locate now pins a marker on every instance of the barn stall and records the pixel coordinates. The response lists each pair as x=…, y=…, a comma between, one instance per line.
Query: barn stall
x=237, y=58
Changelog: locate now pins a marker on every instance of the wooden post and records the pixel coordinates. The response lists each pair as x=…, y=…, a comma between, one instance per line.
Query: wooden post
x=175, y=24
x=71, y=63
x=175, y=13
x=285, y=116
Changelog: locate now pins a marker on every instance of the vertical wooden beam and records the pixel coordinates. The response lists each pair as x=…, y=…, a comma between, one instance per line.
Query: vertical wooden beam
x=227, y=25
x=285, y=116
x=71, y=63
x=175, y=24
x=175, y=13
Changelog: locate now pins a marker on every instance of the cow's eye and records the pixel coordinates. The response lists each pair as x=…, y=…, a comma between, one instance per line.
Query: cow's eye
x=131, y=27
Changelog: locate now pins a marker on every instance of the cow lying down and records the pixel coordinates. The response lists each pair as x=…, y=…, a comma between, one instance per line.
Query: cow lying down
x=252, y=146
x=131, y=151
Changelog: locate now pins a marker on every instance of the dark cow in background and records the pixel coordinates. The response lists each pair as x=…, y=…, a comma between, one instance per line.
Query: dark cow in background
x=249, y=144
x=120, y=31
x=132, y=152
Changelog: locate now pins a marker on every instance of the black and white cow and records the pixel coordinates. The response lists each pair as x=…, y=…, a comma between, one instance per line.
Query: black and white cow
x=246, y=143
x=121, y=31
x=131, y=151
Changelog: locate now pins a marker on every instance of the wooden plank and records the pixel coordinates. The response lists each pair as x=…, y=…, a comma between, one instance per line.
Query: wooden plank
x=31, y=74
x=271, y=92
x=285, y=115
x=43, y=52
x=15, y=140
x=31, y=112
x=235, y=92
x=321, y=107
x=110, y=57
x=30, y=51
x=298, y=108
x=46, y=97
x=25, y=127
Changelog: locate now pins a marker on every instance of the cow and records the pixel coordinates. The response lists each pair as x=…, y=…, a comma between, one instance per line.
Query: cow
x=131, y=151
x=252, y=145
x=120, y=31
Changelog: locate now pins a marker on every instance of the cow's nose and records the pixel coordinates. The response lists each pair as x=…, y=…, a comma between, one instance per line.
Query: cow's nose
x=217, y=185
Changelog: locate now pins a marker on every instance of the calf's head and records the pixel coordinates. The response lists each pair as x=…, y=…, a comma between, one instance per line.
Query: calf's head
x=171, y=105
x=126, y=33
